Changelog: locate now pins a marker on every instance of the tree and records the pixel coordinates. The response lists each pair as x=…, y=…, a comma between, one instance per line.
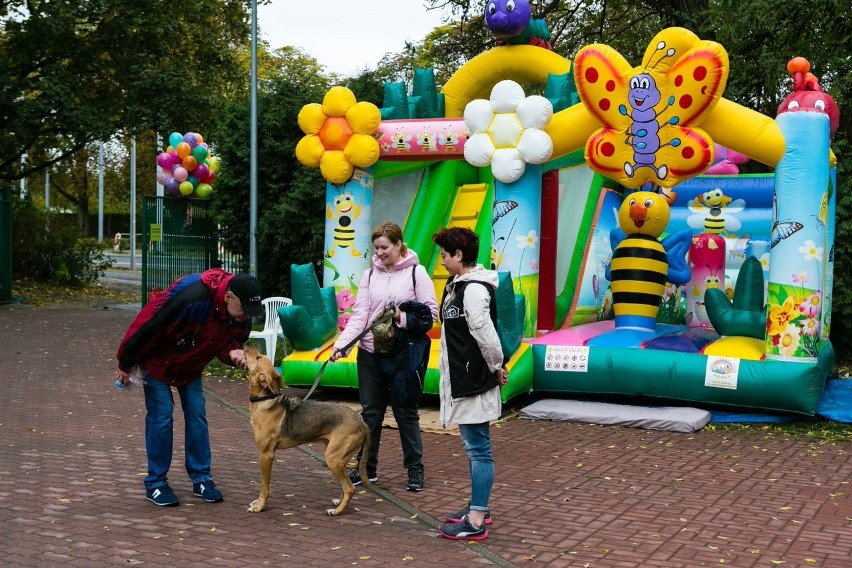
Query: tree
x=77, y=71
x=291, y=198
x=761, y=36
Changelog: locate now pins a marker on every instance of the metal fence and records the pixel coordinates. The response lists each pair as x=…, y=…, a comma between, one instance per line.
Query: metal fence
x=179, y=237
x=5, y=245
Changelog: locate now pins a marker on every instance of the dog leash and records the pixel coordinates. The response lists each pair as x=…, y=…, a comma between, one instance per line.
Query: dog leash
x=384, y=318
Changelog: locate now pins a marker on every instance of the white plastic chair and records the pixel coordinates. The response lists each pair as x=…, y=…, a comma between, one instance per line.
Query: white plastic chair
x=271, y=326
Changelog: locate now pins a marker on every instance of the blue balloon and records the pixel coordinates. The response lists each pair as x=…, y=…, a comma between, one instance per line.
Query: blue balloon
x=175, y=138
x=191, y=139
x=173, y=186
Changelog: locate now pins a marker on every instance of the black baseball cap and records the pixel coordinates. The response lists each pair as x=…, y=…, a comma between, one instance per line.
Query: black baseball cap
x=247, y=288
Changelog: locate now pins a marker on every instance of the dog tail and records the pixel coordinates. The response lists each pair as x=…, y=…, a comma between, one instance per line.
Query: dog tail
x=365, y=452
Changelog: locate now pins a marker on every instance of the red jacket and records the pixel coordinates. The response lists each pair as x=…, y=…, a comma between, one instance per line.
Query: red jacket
x=180, y=330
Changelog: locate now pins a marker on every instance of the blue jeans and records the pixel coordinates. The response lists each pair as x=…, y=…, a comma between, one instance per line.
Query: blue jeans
x=375, y=390
x=476, y=439
x=160, y=403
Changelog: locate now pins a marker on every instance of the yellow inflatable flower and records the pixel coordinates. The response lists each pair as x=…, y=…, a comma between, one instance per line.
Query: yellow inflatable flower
x=338, y=135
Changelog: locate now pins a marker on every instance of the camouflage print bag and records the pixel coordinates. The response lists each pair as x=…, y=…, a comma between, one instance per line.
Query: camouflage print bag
x=383, y=331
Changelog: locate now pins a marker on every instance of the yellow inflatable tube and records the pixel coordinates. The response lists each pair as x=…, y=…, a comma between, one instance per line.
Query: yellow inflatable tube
x=745, y=131
x=523, y=63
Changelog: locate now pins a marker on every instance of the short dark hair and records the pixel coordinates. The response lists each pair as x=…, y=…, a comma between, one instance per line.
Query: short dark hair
x=459, y=238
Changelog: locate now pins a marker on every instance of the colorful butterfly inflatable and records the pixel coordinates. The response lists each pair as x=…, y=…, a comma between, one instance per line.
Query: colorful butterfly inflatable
x=649, y=113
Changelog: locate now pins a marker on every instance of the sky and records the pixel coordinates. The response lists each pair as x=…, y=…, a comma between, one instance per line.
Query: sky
x=346, y=36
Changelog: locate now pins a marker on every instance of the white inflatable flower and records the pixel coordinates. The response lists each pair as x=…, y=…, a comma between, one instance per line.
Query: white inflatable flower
x=507, y=131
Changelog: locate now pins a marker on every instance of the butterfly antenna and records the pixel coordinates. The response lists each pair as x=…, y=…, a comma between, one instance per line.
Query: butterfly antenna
x=660, y=47
x=512, y=228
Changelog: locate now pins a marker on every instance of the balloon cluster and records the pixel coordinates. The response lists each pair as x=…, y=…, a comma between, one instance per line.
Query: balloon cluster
x=186, y=167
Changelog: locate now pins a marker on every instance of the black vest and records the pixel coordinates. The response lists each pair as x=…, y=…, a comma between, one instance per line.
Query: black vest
x=469, y=373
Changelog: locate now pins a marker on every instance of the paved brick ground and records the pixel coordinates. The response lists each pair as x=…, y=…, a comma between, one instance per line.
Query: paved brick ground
x=72, y=460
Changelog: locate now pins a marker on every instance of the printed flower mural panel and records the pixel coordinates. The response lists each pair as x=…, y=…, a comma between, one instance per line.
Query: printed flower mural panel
x=792, y=322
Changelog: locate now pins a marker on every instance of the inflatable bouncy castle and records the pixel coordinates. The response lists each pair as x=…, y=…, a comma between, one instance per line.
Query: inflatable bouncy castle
x=635, y=260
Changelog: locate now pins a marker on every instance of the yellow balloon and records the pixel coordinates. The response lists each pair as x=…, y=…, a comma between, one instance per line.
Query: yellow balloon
x=186, y=188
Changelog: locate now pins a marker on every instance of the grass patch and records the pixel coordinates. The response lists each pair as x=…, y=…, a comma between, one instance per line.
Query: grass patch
x=218, y=369
x=822, y=431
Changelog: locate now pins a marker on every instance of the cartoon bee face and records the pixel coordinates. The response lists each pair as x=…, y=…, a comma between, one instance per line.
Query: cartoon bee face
x=644, y=213
x=649, y=112
x=343, y=203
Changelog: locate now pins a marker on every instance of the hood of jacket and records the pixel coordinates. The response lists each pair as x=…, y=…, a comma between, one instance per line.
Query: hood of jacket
x=479, y=274
x=217, y=280
x=410, y=259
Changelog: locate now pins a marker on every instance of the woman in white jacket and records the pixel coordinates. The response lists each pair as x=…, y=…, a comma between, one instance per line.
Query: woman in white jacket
x=396, y=277
x=472, y=371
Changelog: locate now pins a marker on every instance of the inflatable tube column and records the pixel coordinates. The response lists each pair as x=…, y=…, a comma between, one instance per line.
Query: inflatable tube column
x=798, y=258
x=516, y=232
x=830, y=202
x=707, y=264
x=347, y=230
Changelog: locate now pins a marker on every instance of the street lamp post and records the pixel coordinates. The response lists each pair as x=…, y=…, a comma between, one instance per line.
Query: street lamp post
x=100, y=192
x=253, y=146
x=132, y=202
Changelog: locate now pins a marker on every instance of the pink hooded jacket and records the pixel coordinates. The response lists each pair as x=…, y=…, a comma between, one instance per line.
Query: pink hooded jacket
x=377, y=291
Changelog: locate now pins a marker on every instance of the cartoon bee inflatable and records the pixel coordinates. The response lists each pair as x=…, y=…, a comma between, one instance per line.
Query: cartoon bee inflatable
x=344, y=212
x=641, y=264
x=712, y=211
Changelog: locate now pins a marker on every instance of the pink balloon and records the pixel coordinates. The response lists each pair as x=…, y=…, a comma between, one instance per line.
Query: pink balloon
x=163, y=177
x=181, y=174
x=176, y=160
x=164, y=160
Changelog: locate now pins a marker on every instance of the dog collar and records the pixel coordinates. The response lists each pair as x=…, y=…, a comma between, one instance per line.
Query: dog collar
x=262, y=398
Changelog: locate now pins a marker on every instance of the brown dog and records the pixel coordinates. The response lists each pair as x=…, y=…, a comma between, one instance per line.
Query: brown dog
x=279, y=421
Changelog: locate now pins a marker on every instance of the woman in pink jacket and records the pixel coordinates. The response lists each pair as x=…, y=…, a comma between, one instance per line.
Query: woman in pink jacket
x=396, y=277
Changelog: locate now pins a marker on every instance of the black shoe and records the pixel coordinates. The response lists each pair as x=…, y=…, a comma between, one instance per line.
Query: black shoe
x=459, y=516
x=162, y=496
x=463, y=531
x=415, y=480
x=207, y=490
x=355, y=477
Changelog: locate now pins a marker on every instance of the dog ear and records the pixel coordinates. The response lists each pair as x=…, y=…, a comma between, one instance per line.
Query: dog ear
x=279, y=380
x=271, y=386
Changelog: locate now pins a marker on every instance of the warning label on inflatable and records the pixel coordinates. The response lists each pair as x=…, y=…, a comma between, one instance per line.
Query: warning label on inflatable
x=567, y=358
